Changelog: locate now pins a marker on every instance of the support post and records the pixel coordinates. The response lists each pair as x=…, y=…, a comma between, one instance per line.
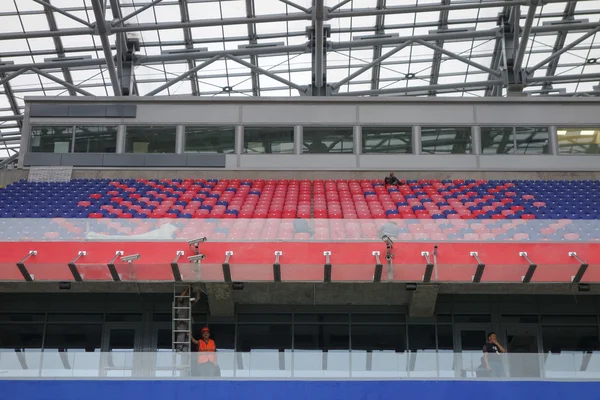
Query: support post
x=73, y=267
x=23, y=269
x=277, y=267
x=327, y=267
x=428, y=267
x=480, y=267
x=227, y=267
x=378, y=268
x=175, y=267
x=111, y=266
x=582, y=268
x=530, y=270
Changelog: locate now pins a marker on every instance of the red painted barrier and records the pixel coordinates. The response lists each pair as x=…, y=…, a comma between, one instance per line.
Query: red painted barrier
x=300, y=262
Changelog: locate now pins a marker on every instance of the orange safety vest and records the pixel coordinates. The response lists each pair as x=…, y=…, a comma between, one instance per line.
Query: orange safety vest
x=204, y=350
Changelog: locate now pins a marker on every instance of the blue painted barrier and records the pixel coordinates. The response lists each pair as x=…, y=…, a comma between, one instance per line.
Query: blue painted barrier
x=295, y=390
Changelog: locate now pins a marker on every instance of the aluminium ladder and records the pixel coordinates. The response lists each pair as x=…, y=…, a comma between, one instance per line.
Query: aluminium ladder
x=182, y=326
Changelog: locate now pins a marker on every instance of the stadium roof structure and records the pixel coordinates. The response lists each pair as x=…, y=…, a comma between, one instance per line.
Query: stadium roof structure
x=293, y=47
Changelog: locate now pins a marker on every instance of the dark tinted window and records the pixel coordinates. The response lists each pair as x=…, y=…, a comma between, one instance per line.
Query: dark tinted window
x=446, y=140
x=264, y=336
x=379, y=337
x=578, y=140
x=51, y=139
x=95, y=139
x=150, y=139
x=210, y=139
x=269, y=140
x=497, y=140
x=387, y=140
x=319, y=140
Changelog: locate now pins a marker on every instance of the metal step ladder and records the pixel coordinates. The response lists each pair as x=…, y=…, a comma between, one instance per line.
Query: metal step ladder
x=182, y=327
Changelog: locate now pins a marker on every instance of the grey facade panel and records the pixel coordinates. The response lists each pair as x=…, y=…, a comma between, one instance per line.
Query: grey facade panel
x=164, y=160
x=407, y=162
x=42, y=160
x=294, y=114
x=540, y=163
x=87, y=111
x=121, y=111
x=49, y=110
x=124, y=160
x=537, y=114
x=206, y=160
x=198, y=114
x=82, y=160
x=409, y=114
x=295, y=162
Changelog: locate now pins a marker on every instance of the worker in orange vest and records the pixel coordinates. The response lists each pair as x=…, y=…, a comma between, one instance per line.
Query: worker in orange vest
x=207, y=360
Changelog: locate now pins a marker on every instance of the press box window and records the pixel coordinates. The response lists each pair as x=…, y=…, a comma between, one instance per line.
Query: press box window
x=387, y=140
x=95, y=139
x=514, y=140
x=446, y=140
x=210, y=139
x=578, y=140
x=269, y=140
x=51, y=139
x=320, y=140
x=150, y=139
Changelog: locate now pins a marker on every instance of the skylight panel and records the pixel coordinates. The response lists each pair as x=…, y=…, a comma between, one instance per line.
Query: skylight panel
x=204, y=10
x=268, y=7
x=233, y=8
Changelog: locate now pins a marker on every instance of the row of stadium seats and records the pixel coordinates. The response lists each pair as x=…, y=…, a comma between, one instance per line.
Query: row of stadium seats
x=287, y=199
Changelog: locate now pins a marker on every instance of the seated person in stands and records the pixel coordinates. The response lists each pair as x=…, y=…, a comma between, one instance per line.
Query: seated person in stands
x=302, y=226
x=392, y=180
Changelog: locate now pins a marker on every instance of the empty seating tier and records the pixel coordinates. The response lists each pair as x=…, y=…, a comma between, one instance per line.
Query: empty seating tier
x=288, y=199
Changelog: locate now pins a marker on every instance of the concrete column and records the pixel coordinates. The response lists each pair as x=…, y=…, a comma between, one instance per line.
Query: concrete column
x=416, y=143
x=180, y=139
x=121, y=139
x=553, y=140
x=239, y=139
x=298, y=139
x=357, y=140
x=476, y=139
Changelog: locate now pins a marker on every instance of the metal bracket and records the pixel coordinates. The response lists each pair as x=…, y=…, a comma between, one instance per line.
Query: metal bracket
x=111, y=266
x=277, y=267
x=228, y=255
x=175, y=266
x=582, y=268
x=76, y=275
x=428, y=267
x=227, y=267
x=378, y=267
x=21, y=265
x=480, y=267
x=530, y=270
x=327, y=267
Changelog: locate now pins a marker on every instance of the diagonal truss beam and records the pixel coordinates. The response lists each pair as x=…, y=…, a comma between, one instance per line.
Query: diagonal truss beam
x=47, y=5
x=560, y=52
x=102, y=27
x=371, y=64
x=189, y=44
x=58, y=45
x=266, y=73
x=458, y=57
x=437, y=54
x=68, y=85
x=183, y=76
x=250, y=13
x=136, y=12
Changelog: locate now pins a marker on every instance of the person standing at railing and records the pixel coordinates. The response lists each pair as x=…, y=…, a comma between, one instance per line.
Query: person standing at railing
x=207, y=360
x=492, y=357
